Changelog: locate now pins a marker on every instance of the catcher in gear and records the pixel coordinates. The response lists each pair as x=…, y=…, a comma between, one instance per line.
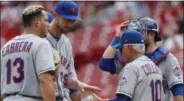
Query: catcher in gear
x=171, y=70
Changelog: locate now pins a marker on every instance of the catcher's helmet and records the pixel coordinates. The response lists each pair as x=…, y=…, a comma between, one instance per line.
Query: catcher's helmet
x=150, y=25
x=136, y=25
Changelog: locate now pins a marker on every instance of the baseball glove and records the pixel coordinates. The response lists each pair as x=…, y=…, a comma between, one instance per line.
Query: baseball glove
x=57, y=60
x=90, y=98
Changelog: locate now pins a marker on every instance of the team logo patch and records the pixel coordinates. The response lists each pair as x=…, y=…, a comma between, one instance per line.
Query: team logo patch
x=123, y=80
x=177, y=71
x=73, y=9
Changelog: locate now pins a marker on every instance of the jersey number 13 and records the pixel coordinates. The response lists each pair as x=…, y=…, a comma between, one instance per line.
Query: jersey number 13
x=18, y=63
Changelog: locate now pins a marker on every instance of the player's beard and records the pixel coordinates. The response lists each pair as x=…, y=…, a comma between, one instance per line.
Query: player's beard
x=59, y=27
x=62, y=29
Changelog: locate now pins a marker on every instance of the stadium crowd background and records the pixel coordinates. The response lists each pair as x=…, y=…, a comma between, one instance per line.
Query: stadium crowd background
x=91, y=37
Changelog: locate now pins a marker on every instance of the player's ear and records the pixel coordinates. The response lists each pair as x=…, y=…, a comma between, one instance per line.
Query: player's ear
x=37, y=22
x=130, y=48
x=152, y=33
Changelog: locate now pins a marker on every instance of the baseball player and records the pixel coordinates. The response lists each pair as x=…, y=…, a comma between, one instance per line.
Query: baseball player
x=140, y=79
x=172, y=73
x=65, y=16
x=27, y=62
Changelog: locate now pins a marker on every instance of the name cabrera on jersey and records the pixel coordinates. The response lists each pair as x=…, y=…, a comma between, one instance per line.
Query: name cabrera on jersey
x=23, y=59
x=141, y=80
x=64, y=47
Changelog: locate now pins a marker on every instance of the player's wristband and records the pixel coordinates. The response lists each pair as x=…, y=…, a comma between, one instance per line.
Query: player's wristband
x=120, y=97
x=115, y=41
x=73, y=90
x=69, y=74
x=178, y=90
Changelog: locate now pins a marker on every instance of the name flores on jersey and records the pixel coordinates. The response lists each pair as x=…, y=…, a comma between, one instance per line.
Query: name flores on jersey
x=17, y=47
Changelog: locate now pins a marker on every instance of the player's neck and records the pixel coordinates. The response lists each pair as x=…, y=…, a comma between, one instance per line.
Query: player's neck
x=31, y=31
x=151, y=47
x=54, y=31
x=135, y=56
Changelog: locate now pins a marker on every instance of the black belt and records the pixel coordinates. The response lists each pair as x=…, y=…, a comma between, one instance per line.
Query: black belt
x=34, y=97
x=59, y=98
x=14, y=94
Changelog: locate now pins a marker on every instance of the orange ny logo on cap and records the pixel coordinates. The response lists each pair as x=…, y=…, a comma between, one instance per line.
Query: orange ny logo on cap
x=73, y=9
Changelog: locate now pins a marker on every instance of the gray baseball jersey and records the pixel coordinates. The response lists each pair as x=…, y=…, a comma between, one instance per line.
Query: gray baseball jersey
x=141, y=80
x=23, y=59
x=64, y=47
x=172, y=74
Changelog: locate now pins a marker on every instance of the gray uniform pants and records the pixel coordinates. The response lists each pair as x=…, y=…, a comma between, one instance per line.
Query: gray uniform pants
x=66, y=95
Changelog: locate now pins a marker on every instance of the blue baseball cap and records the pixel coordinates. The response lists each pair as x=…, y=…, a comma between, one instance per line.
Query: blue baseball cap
x=68, y=10
x=130, y=37
x=50, y=17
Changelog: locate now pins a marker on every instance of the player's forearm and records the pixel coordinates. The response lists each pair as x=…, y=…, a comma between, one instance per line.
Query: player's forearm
x=75, y=96
x=75, y=83
x=178, y=98
x=110, y=52
x=47, y=88
x=107, y=62
x=72, y=82
x=48, y=91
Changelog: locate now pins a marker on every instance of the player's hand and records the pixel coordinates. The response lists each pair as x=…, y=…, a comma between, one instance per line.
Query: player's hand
x=94, y=97
x=85, y=87
x=120, y=28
